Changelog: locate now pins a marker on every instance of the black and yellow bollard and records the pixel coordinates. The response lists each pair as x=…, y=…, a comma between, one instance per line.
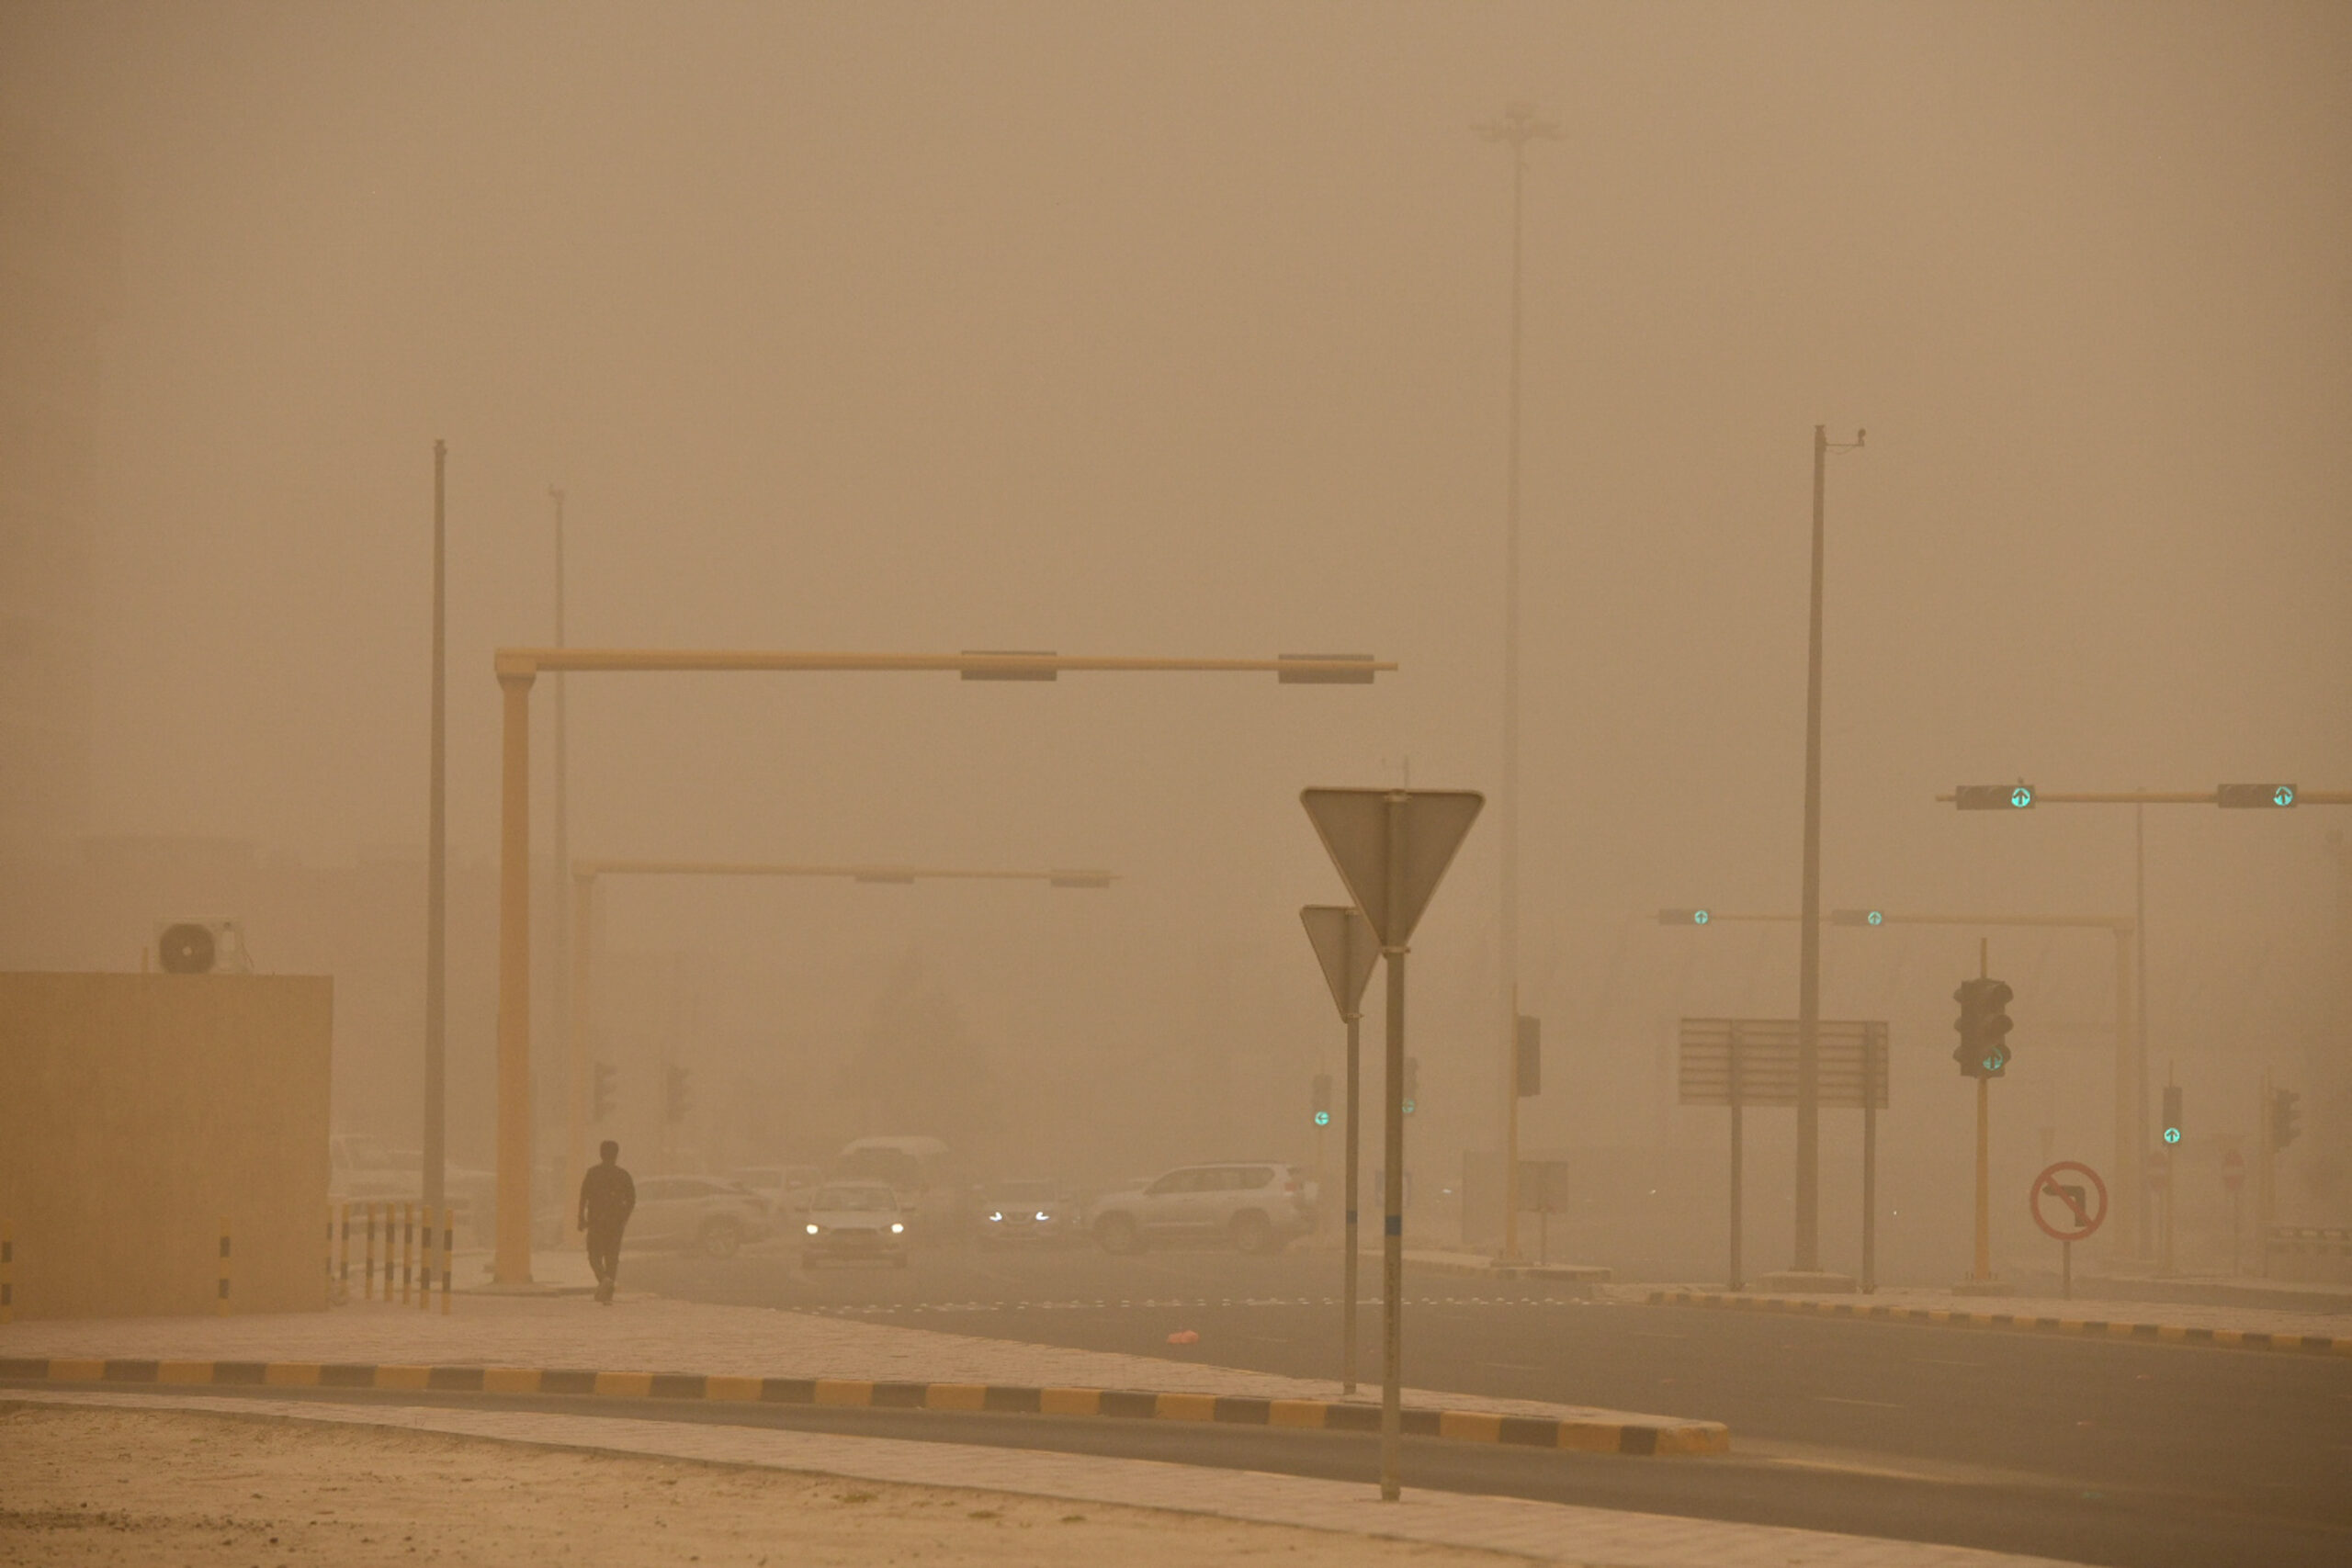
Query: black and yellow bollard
x=449, y=1253
x=220, y=1304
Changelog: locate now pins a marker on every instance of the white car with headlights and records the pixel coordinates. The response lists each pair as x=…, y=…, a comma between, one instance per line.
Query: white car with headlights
x=853, y=1219
x=1038, y=1213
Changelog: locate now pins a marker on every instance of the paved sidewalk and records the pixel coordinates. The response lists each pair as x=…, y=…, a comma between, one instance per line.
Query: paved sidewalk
x=1544, y=1532
x=2257, y=1327
x=659, y=1335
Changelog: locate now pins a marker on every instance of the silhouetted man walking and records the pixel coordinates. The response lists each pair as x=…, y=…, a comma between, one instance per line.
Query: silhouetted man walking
x=606, y=1197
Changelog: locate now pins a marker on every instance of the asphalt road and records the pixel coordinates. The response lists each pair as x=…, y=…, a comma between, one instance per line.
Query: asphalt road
x=2093, y=1450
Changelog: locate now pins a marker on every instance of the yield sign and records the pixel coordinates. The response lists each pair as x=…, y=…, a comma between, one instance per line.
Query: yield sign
x=1392, y=847
x=1343, y=941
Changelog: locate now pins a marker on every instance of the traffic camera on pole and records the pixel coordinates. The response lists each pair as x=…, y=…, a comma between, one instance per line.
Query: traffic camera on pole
x=1322, y=1099
x=1983, y=1025
x=2171, y=1115
x=2284, y=1114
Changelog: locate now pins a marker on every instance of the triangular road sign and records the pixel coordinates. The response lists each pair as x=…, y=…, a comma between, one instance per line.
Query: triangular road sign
x=1343, y=941
x=1354, y=827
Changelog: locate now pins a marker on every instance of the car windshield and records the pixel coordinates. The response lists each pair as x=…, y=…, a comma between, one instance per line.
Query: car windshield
x=1019, y=1192
x=896, y=1167
x=855, y=1198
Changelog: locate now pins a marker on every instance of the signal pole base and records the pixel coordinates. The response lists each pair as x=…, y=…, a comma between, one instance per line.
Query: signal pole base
x=1807, y=1281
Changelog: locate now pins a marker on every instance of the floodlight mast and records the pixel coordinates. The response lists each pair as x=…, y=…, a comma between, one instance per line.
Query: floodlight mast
x=1518, y=127
x=517, y=668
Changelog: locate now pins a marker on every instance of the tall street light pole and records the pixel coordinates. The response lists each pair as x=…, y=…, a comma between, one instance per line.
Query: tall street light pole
x=436, y=862
x=561, y=925
x=1518, y=127
x=1808, y=1248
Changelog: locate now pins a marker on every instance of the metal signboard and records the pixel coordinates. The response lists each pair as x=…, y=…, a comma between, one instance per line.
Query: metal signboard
x=1347, y=948
x=1852, y=1063
x=1359, y=826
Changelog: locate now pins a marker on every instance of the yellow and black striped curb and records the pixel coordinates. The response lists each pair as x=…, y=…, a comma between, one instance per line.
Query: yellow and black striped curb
x=2096, y=1327
x=1660, y=1436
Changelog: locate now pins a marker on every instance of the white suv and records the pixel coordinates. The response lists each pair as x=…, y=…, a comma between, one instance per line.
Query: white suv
x=1257, y=1206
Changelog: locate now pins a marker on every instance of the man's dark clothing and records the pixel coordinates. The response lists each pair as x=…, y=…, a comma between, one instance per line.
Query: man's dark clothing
x=606, y=1197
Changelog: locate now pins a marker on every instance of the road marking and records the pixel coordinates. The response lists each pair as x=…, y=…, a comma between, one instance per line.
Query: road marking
x=1873, y=1404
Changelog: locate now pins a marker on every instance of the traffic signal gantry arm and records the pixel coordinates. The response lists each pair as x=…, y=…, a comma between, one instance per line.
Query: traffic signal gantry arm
x=518, y=669
x=2222, y=794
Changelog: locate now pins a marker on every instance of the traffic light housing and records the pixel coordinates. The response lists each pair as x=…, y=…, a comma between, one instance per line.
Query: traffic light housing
x=2284, y=1114
x=1412, y=1084
x=1983, y=1025
x=1858, y=917
x=1682, y=917
x=604, y=1100
x=2255, y=797
x=2171, y=1129
x=1992, y=797
x=679, y=1099
x=1527, y=1057
x=1322, y=1099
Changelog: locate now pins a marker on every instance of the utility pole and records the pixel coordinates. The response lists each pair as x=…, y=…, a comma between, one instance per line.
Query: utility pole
x=2134, y=1177
x=1808, y=1184
x=561, y=925
x=436, y=864
x=1518, y=127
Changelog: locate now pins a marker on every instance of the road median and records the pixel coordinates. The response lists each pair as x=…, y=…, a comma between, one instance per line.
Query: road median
x=1597, y=1432
x=2032, y=1323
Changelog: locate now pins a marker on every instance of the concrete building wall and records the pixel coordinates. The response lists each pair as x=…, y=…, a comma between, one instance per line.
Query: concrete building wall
x=137, y=1111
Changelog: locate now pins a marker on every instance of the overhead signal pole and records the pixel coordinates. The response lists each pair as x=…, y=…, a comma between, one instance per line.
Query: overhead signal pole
x=2131, y=1185
x=518, y=669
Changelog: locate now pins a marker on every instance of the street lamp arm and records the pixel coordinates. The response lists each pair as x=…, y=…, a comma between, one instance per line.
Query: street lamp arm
x=584, y=868
x=522, y=663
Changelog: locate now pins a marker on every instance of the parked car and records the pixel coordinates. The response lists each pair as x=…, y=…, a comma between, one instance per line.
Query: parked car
x=698, y=1213
x=1038, y=1213
x=1257, y=1206
x=855, y=1220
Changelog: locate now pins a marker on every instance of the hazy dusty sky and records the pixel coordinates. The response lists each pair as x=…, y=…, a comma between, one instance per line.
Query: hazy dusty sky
x=1182, y=329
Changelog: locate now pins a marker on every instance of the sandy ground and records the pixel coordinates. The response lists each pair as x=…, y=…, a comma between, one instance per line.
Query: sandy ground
x=85, y=1488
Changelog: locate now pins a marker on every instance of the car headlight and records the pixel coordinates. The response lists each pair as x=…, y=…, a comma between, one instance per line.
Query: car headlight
x=812, y=1230
x=1041, y=1213
x=896, y=1228
x=996, y=1216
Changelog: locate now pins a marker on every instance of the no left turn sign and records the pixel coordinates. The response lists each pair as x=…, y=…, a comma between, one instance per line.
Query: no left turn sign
x=2069, y=1200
